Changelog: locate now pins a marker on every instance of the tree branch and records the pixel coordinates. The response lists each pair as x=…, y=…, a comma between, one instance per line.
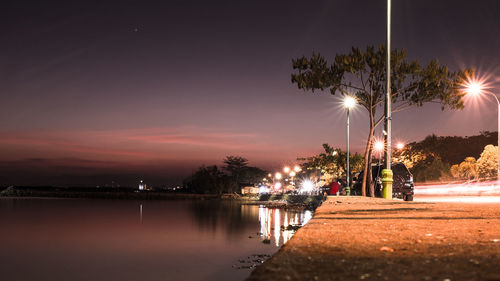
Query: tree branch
x=354, y=87
x=378, y=121
x=362, y=80
x=401, y=107
x=378, y=102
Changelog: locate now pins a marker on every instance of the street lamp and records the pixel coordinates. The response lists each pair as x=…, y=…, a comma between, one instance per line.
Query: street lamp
x=292, y=176
x=475, y=88
x=379, y=147
x=400, y=146
x=349, y=102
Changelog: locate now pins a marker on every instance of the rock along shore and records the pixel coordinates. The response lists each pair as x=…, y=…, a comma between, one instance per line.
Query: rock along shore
x=358, y=238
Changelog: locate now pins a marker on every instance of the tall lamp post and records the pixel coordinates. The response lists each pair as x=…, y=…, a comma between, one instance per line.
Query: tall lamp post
x=476, y=89
x=387, y=172
x=349, y=102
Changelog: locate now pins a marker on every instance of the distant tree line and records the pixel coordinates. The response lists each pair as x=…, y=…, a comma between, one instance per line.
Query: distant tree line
x=485, y=167
x=234, y=174
x=438, y=158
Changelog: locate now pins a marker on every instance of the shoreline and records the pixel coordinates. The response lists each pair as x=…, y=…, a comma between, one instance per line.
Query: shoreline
x=284, y=201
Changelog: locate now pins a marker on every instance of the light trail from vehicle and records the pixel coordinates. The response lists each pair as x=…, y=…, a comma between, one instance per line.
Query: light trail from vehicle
x=468, y=192
x=459, y=199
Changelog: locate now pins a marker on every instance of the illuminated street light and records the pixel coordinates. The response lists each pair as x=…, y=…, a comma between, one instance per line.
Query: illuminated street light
x=400, y=145
x=379, y=147
x=307, y=186
x=277, y=176
x=349, y=103
x=286, y=169
x=292, y=176
x=476, y=88
x=296, y=169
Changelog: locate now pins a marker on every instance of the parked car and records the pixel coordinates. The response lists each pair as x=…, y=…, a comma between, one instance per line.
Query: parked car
x=402, y=185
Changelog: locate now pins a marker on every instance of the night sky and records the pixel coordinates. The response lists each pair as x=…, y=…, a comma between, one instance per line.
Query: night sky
x=99, y=91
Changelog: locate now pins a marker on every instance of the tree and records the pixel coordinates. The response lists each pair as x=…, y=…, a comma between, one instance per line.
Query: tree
x=208, y=180
x=236, y=166
x=211, y=179
x=252, y=175
x=468, y=169
x=455, y=171
x=362, y=74
x=431, y=170
x=487, y=164
x=465, y=170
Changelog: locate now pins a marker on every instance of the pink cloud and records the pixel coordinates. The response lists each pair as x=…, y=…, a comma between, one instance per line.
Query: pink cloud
x=136, y=144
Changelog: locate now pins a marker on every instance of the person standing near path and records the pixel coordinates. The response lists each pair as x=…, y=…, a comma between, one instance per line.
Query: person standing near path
x=334, y=187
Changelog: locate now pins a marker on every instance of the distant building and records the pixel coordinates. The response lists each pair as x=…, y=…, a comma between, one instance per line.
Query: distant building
x=250, y=190
x=142, y=185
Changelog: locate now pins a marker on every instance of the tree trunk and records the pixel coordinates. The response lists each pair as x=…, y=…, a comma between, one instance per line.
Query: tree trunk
x=367, y=169
x=370, y=177
x=367, y=175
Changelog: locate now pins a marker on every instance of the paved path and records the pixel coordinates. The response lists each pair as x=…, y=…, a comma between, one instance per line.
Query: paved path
x=356, y=238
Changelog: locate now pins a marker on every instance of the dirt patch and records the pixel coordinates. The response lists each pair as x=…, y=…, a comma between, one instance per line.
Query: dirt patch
x=356, y=238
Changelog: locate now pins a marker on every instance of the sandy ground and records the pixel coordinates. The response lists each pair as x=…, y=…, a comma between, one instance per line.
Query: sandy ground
x=356, y=238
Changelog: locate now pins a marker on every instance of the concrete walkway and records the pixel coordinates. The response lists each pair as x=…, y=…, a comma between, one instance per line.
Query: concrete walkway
x=358, y=238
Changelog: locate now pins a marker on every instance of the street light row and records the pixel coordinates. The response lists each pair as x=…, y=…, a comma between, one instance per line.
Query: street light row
x=286, y=170
x=379, y=146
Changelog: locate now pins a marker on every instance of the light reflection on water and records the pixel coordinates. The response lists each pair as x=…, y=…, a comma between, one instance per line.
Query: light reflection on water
x=277, y=220
x=60, y=239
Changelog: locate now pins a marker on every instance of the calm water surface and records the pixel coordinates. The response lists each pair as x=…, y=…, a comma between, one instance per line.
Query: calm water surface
x=74, y=239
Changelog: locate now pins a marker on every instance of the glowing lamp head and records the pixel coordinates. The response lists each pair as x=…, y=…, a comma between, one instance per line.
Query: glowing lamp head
x=474, y=88
x=292, y=174
x=277, y=176
x=307, y=185
x=349, y=102
x=296, y=169
x=277, y=186
x=379, y=146
x=400, y=146
x=286, y=170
